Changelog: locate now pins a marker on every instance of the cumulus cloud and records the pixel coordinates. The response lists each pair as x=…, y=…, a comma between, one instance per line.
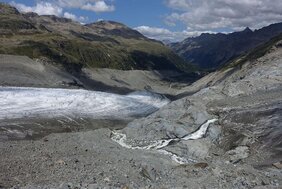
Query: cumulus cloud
x=90, y=5
x=41, y=8
x=216, y=15
x=74, y=17
x=178, y=4
x=163, y=34
x=56, y=7
x=99, y=6
x=47, y=8
x=70, y=16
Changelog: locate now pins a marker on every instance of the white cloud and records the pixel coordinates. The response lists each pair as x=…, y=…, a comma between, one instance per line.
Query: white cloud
x=46, y=8
x=74, y=17
x=178, y=4
x=41, y=8
x=163, y=34
x=91, y=5
x=216, y=15
x=99, y=6
x=55, y=7
x=70, y=16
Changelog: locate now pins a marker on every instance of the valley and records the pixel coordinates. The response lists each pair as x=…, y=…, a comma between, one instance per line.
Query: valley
x=242, y=149
x=99, y=105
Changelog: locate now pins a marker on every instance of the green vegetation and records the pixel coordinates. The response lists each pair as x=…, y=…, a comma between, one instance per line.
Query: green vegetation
x=69, y=43
x=128, y=55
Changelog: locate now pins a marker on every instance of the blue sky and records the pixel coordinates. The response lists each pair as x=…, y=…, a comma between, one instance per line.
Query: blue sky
x=130, y=12
x=171, y=20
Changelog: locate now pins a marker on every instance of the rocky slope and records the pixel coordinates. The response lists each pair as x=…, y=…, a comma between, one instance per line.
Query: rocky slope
x=22, y=71
x=103, y=44
x=211, y=51
x=239, y=106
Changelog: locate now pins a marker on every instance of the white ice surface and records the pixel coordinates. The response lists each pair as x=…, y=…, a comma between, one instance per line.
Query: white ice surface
x=20, y=102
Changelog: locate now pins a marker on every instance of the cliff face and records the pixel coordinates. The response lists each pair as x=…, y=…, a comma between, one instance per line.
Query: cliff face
x=211, y=51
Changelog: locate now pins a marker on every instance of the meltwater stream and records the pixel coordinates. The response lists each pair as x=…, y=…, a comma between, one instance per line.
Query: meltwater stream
x=158, y=145
x=23, y=102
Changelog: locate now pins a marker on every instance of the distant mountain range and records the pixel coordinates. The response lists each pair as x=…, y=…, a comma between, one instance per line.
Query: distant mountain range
x=211, y=51
x=104, y=44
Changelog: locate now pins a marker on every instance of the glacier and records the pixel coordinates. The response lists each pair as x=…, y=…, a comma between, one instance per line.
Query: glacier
x=28, y=102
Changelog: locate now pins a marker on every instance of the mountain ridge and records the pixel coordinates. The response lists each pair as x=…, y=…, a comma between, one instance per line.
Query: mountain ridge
x=211, y=51
x=104, y=44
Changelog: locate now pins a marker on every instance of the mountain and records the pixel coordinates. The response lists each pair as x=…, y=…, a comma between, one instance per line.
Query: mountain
x=104, y=44
x=211, y=51
x=166, y=41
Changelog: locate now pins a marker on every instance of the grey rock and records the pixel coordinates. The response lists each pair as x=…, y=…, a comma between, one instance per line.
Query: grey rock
x=214, y=132
x=240, y=152
x=191, y=149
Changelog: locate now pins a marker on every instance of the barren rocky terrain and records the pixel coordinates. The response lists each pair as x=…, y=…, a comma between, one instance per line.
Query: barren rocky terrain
x=22, y=71
x=226, y=133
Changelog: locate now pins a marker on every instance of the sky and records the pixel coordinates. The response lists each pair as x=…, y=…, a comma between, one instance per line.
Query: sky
x=166, y=20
